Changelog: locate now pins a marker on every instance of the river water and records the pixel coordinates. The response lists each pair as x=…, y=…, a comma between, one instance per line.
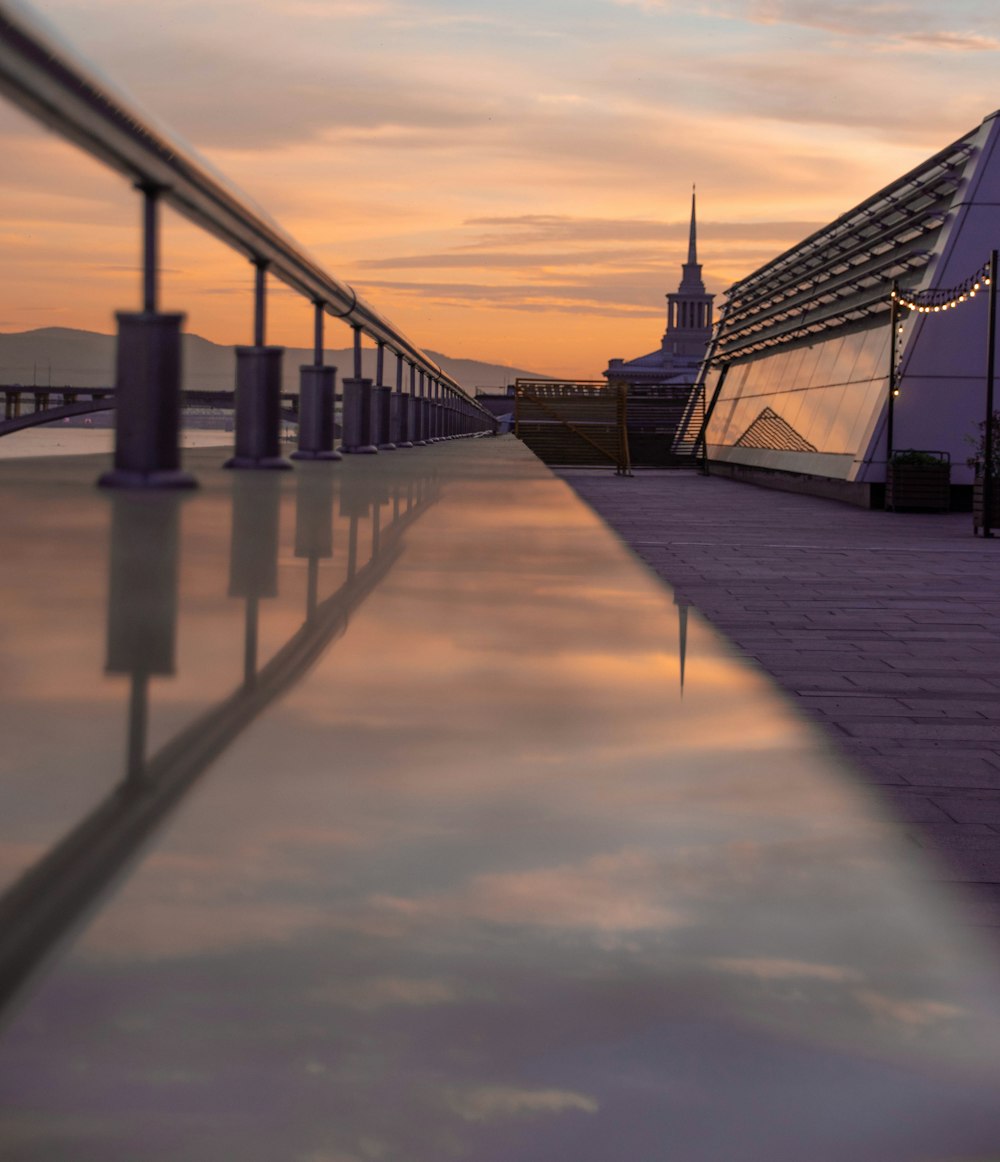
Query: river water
x=54, y=440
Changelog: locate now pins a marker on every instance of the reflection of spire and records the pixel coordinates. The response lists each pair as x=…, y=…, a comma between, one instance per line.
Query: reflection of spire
x=682, y=634
x=693, y=237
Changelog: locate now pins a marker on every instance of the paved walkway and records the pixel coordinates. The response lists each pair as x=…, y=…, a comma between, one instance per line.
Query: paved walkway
x=884, y=627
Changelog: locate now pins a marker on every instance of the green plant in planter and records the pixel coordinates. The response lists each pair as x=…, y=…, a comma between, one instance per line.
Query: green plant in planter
x=915, y=458
x=918, y=479
x=977, y=460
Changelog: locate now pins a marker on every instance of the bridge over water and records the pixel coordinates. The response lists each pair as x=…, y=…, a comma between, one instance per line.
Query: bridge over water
x=388, y=807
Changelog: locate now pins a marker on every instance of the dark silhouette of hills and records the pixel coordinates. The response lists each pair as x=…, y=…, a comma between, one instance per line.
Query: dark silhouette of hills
x=65, y=356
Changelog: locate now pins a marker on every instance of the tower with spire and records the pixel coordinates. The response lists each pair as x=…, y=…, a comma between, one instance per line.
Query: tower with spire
x=689, y=327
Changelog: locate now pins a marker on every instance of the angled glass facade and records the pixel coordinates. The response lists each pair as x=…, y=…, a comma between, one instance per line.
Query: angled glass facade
x=797, y=377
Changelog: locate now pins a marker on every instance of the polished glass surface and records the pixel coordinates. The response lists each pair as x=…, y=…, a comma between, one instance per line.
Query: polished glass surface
x=391, y=809
x=830, y=393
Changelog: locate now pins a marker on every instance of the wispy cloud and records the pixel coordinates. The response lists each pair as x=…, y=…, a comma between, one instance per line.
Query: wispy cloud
x=491, y=1103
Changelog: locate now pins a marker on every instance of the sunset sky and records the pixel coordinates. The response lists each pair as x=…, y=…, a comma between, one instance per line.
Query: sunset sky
x=505, y=181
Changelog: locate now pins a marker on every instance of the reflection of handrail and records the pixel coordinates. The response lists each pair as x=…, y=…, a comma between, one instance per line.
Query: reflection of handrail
x=44, y=906
x=42, y=75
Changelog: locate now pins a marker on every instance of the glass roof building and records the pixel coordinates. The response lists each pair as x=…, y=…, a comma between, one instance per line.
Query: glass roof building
x=796, y=380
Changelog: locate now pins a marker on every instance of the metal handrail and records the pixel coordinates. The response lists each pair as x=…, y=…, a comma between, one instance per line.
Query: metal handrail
x=46, y=78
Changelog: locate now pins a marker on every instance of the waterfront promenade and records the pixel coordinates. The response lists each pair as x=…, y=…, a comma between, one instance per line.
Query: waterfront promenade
x=883, y=628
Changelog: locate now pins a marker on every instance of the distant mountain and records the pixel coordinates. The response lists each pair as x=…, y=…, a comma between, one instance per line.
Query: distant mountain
x=65, y=357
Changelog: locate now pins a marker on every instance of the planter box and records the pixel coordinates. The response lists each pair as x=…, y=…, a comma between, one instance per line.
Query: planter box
x=918, y=486
x=977, y=505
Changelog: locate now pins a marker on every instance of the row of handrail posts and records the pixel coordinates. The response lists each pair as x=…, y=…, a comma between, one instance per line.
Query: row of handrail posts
x=374, y=418
x=48, y=81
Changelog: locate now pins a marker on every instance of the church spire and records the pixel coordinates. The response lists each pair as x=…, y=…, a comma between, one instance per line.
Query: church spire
x=693, y=239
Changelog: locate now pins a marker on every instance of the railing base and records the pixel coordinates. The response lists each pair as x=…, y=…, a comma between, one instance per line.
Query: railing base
x=267, y=463
x=131, y=478
x=148, y=403
x=304, y=454
x=317, y=385
x=258, y=409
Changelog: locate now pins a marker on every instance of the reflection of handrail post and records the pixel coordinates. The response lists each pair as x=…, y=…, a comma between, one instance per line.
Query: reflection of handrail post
x=251, y=623
x=314, y=525
x=65, y=884
x=143, y=579
x=253, y=555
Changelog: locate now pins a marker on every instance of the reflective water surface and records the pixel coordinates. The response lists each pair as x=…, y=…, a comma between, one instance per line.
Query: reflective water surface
x=391, y=810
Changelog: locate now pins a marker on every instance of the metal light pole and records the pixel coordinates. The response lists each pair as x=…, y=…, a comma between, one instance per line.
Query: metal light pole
x=991, y=348
x=890, y=410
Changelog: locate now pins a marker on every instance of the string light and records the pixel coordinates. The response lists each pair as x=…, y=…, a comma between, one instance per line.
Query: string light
x=934, y=301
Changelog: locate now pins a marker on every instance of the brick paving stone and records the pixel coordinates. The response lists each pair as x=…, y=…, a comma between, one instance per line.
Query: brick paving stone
x=970, y=810
x=885, y=628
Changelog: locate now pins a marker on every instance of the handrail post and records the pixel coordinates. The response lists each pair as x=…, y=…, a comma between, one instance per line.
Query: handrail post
x=381, y=404
x=405, y=434
x=148, y=379
x=356, y=425
x=258, y=392
x=396, y=405
x=317, y=390
x=420, y=428
x=428, y=408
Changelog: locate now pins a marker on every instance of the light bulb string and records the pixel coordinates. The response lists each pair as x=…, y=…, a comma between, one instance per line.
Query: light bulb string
x=934, y=300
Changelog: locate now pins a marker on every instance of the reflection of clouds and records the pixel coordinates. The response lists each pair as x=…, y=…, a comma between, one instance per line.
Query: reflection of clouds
x=916, y=1014
x=385, y=910
x=380, y=992
x=770, y=968
x=491, y=1103
x=604, y=895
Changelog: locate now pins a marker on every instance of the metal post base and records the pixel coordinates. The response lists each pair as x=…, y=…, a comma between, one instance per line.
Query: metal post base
x=405, y=425
x=148, y=395
x=258, y=410
x=316, y=391
x=356, y=437
x=382, y=418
